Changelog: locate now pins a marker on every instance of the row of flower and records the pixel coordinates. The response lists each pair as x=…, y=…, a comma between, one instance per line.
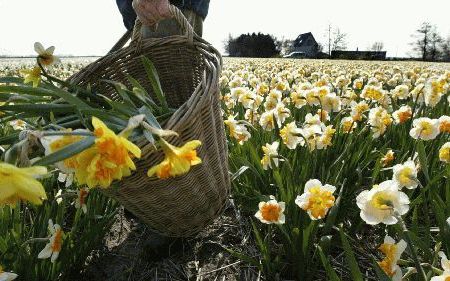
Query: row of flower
x=333, y=121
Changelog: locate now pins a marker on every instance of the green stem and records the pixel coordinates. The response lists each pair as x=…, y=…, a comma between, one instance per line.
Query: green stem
x=415, y=257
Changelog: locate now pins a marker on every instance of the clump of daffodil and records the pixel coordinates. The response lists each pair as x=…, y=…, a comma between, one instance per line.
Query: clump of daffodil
x=53, y=247
x=444, y=153
x=178, y=160
x=109, y=159
x=32, y=75
x=392, y=252
x=21, y=184
x=7, y=276
x=317, y=199
x=271, y=212
x=382, y=203
x=45, y=56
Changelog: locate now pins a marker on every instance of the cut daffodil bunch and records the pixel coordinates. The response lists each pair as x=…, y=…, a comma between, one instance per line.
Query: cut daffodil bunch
x=177, y=161
x=21, y=184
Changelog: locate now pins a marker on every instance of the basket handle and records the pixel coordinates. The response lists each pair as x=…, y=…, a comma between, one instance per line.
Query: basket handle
x=185, y=26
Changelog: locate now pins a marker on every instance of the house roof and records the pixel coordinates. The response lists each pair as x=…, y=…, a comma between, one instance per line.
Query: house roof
x=302, y=38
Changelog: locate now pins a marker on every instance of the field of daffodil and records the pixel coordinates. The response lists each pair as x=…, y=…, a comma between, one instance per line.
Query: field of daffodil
x=341, y=167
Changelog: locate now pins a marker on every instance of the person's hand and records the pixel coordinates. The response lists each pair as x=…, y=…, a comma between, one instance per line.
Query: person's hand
x=150, y=12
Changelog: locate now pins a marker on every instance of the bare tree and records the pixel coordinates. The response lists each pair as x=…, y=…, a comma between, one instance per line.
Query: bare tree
x=435, y=41
x=339, y=40
x=377, y=46
x=445, y=49
x=422, y=43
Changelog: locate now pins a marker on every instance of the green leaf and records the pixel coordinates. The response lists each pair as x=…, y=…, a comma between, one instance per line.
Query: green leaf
x=423, y=159
x=154, y=81
x=149, y=117
x=331, y=273
x=350, y=257
x=239, y=172
x=44, y=107
x=66, y=152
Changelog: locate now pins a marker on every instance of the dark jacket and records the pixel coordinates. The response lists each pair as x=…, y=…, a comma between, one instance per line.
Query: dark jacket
x=129, y=16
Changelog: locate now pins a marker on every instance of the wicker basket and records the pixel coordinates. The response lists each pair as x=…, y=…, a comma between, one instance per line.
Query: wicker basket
x=188, y=68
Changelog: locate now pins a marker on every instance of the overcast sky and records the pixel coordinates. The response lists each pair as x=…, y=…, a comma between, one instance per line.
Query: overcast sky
x=91, y=27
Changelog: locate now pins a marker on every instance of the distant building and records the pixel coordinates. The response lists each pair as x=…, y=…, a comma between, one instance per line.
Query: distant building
x=359, y=55
x=306, y=44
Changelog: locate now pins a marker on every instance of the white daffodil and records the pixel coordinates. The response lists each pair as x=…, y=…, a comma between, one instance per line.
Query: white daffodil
x=7, y=276
x=317, y=199
x=271, y=211
x=405, y=175
x=392, y=252
x=444, y=153
x=445, y=263
x=425, y=128
x=45, y=56
x=382, y=203
x=444, y=124
x=292, y=136
x=270, y=155
x=53, y=247
x=18, y=124
x=402, y=115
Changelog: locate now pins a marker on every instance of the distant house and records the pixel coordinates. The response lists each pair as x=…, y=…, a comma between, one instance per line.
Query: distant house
x=306, y=44
x=359, y=55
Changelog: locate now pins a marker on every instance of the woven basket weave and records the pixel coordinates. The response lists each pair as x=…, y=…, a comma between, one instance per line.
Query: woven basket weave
x=188, y=68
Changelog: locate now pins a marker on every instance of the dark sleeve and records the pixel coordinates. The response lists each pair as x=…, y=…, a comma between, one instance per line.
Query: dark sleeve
x=128, y=13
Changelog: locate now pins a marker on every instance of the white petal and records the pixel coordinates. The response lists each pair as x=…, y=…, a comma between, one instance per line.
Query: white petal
x=46, y=252
x=312, y=183
x=39, y=48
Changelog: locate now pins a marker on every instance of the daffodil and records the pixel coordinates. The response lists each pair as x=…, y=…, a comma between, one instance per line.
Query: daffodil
x=45, y=56
x=21, y=184
x=392, y=252
x=18, y=124
x=237, y=131
x=107, y=160
x=388, y=158
x=317, y=199
x=348, y=124
x=270, y=155
x=379, y=120
x=444, y=124
x=291, y=135
x=271, y=212
x=425, y=128
x=177, y=161
x=53, y=247
x=402, y=115
x=444, y=153
x=382, y=203
x=32, y=75
x=405, y=175
x=445, y=263
x=52, y=144
x=80, y=202
x=7, y=276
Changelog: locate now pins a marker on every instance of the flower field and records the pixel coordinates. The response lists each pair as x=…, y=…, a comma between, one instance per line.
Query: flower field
x=341, y=169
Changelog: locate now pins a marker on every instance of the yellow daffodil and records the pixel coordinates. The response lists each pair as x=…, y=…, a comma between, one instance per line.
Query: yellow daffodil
x=53, y=247
x=271, y=212
x=392, y=252
x=317, y=199
x=387, y=158
x=32, y=75
x=107, y=160
x=20, y=184
x=177, y=161
x=45, y=56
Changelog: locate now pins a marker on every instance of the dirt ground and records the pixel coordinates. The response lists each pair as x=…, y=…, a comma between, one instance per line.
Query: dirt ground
x=130, y=253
